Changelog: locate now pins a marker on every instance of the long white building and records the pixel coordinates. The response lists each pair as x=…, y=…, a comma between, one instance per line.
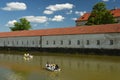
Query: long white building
x=87, y=37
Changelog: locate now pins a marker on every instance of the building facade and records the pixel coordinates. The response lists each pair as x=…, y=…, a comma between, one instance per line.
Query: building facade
x=83, y=19
x=87, y=37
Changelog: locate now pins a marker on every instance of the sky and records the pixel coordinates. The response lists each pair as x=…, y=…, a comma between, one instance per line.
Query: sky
x=44, y=14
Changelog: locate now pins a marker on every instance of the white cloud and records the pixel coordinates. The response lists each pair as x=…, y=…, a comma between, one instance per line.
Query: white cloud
x=74, y=19
x=12, y=6
x=58, y=18
x=48, y=12
x=11, y=23
x=37, y=19
x=58, y=7
x=80, y=13
x=70, y=12
x=105, y=0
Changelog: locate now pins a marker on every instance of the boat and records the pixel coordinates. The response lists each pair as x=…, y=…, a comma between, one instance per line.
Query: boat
x=52, y=67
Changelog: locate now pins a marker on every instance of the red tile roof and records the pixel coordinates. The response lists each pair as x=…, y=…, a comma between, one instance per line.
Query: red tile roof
x=96, y=29
x=115, y=12
x=84, y=17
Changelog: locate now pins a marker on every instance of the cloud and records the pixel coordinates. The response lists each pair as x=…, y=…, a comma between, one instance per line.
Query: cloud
x=105, y=0
x=74, y=19
x=48, y=12
x=60, y=7
x=36, y=19
x=58, y=18
x=11, y=23
x=12, y=6
x=70, y=12
x=57, y=7
x=80, y=13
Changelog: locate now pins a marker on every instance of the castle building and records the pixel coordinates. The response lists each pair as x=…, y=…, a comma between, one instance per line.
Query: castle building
x=87, y=37
x=106, y=36
x=83, y=19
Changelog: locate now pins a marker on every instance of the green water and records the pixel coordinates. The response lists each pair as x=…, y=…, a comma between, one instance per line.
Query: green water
x=73, y=67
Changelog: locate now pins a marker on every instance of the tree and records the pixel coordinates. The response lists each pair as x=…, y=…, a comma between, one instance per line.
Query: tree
x=100, y=15
x=24, y=24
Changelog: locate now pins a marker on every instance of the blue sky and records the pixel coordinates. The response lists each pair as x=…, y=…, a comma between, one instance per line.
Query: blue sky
x=45, y=14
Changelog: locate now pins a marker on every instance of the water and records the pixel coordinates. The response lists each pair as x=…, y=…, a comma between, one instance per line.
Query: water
x=74, y=67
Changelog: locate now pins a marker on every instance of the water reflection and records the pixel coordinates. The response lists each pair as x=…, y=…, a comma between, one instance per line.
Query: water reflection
x=78, y=67
x=43, y=76
x=64, y=62
x=7, y=74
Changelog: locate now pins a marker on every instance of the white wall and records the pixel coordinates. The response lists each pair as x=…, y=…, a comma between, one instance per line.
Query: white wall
x=20, y=42
x=92, y=38
x=83, y=38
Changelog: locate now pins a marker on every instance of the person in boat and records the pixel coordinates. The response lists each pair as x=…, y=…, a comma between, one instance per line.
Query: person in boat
x=52, y=67
x=47, y=64
x=56, y=67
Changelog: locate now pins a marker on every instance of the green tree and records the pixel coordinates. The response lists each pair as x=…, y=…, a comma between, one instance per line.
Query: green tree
x=100, y=15
x=24, y=24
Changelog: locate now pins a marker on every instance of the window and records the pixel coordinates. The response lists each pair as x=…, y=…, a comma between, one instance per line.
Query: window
x=17, y=42
x=27, y=42
x=88, y=42
x=33, y=42
x=78, y=42
x=8, y=42
x=111, y=42
x=69, y=42
x=22, y=42
x=61, y=42
x=98, y=42
x=47, y=42
x=54, y=42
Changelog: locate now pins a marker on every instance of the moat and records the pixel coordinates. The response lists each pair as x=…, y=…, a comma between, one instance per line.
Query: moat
x=73, y=67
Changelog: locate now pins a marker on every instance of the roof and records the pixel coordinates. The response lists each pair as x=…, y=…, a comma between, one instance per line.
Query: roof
x=96, y=29
x=114, y=12
x=84, y=17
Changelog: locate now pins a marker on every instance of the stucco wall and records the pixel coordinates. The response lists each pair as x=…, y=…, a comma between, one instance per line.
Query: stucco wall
x=81, y=23
x=86, y=41
x=20, y=42
x=98, y=41
x=118, y=19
